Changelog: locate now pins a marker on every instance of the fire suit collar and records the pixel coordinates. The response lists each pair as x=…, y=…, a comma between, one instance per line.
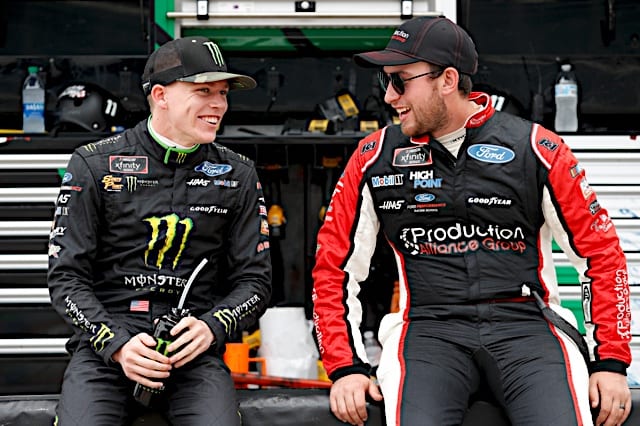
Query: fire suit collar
x=172, y=154
x=424, y=139
x=487, y=111
x=475, y=120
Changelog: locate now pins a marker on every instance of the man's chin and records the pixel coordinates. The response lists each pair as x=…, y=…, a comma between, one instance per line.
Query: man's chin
x=211, y=136
x=410, y=132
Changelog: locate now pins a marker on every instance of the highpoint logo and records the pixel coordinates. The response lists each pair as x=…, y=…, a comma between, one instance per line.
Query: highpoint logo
x=425, y=179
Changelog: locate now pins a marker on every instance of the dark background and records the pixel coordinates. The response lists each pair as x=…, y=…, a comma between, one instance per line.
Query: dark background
x=520, y=42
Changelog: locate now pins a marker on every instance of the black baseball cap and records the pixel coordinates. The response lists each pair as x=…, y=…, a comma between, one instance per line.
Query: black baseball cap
x=436, y=40
x=192, y=59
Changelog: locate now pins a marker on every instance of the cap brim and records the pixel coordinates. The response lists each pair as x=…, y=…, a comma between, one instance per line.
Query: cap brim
x=236, y=81
x=383, y=58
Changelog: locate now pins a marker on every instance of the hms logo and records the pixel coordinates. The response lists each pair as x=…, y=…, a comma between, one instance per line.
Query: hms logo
x=391, y=205
x=198, y=182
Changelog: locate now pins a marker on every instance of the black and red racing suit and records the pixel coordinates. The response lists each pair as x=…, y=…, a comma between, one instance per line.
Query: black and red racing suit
x=465, y=232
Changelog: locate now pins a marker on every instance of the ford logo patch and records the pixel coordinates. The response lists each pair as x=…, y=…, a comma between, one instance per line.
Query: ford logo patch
x=491, y=153
x=211, y=169
x=424, y=198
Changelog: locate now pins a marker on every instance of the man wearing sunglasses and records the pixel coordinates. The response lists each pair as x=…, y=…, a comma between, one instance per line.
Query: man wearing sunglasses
x=470, y=200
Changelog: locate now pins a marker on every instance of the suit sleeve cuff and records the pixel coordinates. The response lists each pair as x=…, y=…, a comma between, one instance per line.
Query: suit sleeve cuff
x=352, y=369
x=611, y=365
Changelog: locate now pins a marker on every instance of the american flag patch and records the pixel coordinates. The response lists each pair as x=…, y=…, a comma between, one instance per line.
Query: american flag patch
x=139, y=306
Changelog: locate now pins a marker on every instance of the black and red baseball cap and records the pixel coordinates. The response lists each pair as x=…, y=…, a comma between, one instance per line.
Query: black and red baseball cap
x=436, y=40
x=192, y=59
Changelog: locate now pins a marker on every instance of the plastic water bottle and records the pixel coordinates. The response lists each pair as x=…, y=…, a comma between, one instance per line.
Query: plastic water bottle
x=566, y=99
x=372, y=348
x=33, y=103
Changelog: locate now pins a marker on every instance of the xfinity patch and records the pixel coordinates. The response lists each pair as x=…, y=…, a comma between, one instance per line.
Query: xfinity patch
x=211, y=169
x=491, y=153
x=411, y=157
x=128, y=164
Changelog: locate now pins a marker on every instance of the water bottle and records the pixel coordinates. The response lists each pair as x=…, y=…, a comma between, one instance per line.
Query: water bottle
x=372, y=348
x=33, y=103
x=566, y=99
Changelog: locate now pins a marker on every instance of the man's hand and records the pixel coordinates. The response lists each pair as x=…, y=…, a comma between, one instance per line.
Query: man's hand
x=347, y=397
x=611, y=392
x=195, y=337
x=140, y=361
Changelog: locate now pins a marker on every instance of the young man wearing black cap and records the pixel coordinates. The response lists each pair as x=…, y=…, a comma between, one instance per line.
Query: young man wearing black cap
x=137, y=214
x=470, y=200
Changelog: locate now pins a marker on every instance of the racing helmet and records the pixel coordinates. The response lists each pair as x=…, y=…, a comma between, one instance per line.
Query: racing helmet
x=86, y=106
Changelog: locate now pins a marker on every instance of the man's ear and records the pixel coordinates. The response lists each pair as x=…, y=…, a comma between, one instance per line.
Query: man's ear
x=158, y=95
x=450, y=79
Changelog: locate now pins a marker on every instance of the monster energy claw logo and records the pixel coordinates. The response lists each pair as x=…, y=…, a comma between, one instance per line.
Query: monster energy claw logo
x=162, y=346
x=215, y=53
x=132, y=182
x=168, y=239
x=227, y=319
x=100, y=339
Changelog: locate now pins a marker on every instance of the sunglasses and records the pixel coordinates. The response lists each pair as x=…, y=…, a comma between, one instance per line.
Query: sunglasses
x=398, y=83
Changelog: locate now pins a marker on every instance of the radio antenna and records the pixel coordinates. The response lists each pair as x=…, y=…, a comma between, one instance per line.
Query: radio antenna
x=190, y=281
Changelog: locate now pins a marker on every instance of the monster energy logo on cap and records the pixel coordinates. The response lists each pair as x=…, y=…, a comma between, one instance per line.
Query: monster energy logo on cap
x=216, y=54
x=193, y=59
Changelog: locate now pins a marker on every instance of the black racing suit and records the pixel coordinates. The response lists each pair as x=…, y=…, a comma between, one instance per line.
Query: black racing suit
x=472, y=239
x=133, y=219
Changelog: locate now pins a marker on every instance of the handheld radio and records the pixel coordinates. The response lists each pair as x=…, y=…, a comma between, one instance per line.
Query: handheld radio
x=161, y=332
